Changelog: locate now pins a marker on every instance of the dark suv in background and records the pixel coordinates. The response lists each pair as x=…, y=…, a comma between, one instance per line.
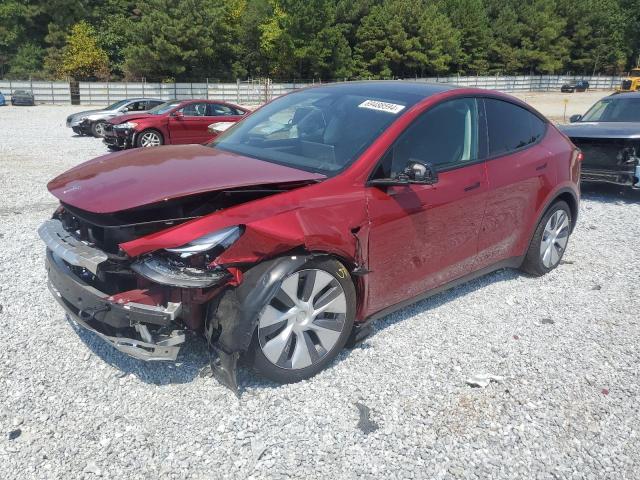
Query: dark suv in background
x=575, y=86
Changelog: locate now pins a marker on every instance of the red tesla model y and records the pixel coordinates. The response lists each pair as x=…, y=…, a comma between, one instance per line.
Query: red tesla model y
x=323, y=210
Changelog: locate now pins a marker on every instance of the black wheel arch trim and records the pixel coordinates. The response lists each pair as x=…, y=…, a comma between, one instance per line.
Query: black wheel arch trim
x=232, y=318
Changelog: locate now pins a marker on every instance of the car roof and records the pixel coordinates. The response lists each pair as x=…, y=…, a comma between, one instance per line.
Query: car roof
x=372, y=87
x=143, y=98
x=622, y=96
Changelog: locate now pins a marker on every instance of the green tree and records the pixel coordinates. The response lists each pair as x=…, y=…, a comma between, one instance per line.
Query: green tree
x=404, y=38
x=82, y=58
x=27, y=62
x=470, y=19
x=505, y=52
x=545, y=48
x=597, y=32
x=185, y=39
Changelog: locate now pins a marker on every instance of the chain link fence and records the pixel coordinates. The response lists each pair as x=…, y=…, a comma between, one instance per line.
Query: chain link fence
x=253, y=92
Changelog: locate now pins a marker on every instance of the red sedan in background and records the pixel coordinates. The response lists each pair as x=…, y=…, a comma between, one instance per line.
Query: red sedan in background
x=171, y=123
x=323, y=210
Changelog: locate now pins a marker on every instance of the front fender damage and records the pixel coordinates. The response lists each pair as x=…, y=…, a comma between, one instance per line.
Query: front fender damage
x=231, y=320
x=279, y=236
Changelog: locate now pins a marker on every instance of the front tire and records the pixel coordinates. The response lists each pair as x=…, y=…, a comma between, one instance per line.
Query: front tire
x=549, y=241
x=149, y=138
x=306, y=324
x=97, y=129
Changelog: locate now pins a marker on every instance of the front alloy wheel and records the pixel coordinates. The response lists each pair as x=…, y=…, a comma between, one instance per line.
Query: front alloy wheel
x=149, y=138
x=306, y=323
x=97, y=129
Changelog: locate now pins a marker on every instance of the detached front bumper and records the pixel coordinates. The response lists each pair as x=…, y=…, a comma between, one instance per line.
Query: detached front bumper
x=146, y=332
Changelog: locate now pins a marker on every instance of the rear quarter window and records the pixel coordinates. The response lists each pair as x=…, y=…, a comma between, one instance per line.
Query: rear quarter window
x=511, y=127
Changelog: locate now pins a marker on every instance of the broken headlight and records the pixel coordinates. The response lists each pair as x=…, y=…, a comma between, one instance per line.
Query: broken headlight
x=187, y=266
x=222, y=238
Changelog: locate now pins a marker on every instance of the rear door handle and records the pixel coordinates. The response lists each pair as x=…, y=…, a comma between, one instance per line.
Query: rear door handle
x=472, y=187
x=541, y=167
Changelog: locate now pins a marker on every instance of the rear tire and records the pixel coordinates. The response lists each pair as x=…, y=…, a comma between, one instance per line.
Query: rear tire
x=549, y=240
x=291, y=341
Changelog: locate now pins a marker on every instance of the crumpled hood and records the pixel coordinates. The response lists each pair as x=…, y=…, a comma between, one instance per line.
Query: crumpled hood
x=130, y=116
x=144, y=176
x=601, y=130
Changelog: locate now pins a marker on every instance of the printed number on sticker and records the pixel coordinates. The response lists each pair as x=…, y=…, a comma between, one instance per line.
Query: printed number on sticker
x=382, y=106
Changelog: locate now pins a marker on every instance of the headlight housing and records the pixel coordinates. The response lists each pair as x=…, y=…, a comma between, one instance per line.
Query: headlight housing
x=187, y=266
x=125, y=126
x=222, y=238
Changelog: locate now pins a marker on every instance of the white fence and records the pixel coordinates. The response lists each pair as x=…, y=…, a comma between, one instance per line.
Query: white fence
x=43, y=92
x=541, y=83
x=257, y=92
x=241, y=92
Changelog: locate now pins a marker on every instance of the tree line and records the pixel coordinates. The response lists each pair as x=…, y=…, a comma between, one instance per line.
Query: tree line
x=182, y=40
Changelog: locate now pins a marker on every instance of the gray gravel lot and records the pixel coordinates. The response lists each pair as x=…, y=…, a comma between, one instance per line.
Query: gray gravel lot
x=395, y=407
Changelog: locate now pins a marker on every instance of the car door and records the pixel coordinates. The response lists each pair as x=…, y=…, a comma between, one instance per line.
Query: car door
x=520, y=172
x=423, y=236
x=190, y=125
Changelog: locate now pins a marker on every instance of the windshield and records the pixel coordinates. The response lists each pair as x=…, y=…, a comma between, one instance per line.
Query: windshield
x=614, y=110
x=164, y=107
x=319, y=129
x=117, y=105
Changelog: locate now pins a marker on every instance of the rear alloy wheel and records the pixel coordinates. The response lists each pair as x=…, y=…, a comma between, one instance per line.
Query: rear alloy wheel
x=549, y=240
x=150, y=138
x=307, y=322
x=97, y=129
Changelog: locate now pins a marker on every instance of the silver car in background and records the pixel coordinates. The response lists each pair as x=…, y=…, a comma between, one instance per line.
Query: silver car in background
x=91, y=122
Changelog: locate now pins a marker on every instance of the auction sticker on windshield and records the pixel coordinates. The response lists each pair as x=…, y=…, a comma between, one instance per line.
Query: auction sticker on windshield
x=382, y=106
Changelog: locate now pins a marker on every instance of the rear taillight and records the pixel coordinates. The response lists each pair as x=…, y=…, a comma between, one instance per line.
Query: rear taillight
x=579, y=156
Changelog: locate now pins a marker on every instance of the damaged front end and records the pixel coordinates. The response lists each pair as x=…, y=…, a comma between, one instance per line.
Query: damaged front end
x=141, y=322
x=610, y=160
x=118, y=276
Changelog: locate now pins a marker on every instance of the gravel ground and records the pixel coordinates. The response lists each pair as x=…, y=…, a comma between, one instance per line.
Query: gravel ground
x=559, y=106
x=397, y=406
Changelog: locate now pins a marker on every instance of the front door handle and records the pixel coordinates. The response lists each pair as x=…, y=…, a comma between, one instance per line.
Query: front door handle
x=541, y=167
x=472, y=187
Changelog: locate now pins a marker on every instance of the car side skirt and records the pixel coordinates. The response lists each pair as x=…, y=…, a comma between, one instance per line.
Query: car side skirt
x=513, y=262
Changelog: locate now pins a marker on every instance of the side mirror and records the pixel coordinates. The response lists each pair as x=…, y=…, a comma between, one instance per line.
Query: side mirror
x=124, y=109
x=178, y=115
x=418, y=172
x=574, y=118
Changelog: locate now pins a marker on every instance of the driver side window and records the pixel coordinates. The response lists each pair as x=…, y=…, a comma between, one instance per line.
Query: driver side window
x=195, y=110
x=446, y=136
